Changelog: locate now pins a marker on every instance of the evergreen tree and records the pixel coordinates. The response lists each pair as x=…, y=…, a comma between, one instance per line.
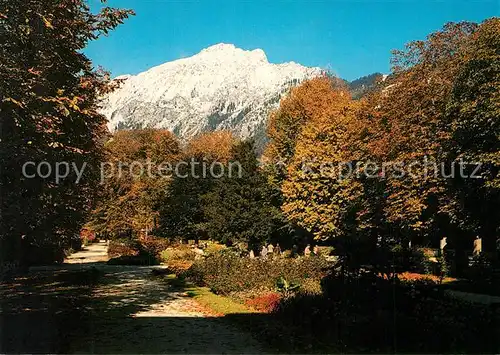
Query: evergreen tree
x=241, y=209
x=180, y=212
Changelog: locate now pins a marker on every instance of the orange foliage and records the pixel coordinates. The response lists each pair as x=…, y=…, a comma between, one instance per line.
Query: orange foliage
x=406, y=120
x=311, y=99
x=212, y=146
x=411, y=276
x=154, y=144
x=130, y=189
x=314, y=195
x=265, y=303
x=87, y=234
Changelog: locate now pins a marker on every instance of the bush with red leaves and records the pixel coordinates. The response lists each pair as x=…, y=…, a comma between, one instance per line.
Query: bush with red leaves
x=266, y=303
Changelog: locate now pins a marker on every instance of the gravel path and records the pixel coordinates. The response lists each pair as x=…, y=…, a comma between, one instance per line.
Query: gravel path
x=134, y=312
x=86, y=306
x=473, y=297
x=92, y=253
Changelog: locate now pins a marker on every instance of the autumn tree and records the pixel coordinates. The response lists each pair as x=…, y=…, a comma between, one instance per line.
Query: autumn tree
x=49, y=113
x=284, y=127
x=135, y=178
x=473, y=120
x=323, y=192
x=295, y=110
x=432, y=117
x=407, y=131
x=315, y=195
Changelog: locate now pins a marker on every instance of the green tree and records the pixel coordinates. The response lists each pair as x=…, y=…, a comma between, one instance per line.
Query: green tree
x=180, y=212
x=240, y=209
x=49, y=112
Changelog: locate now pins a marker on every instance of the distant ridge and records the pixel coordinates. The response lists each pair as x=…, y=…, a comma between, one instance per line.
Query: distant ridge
x=222, y=87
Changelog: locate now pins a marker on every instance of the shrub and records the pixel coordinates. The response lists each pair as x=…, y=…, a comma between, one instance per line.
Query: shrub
x=45, y=254
x=410, y=276
x=134, y=252
x=310, y=287
x=226, y=272
x=286, y=288
x=140, y=259
x=325, y=251
x=178, y=259
x=179, y=253
x=119, y=248
x=213, y=248
x=87, y=236
x=155, y=246
x=265, y=303
x=416, y=313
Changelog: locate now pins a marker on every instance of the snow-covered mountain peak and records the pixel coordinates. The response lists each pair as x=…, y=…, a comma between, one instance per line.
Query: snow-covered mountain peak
x=224, y=52
x=123, y=77
x=222, y=87
x=219, y=47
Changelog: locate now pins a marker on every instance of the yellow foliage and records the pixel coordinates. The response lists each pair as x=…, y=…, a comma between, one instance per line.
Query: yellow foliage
x=212, y=146
x=311, y=99
x=317, y=196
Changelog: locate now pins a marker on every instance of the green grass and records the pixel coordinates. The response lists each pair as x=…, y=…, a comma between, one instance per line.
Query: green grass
x=267, y=330
x=219, y=304
x=262, y=326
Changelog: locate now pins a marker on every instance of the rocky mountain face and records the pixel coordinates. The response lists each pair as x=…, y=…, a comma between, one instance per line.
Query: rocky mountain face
x=222, y=87
x=363, y=85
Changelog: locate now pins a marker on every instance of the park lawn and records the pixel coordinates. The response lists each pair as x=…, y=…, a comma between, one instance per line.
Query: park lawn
x=219, y=304
x=263, y=327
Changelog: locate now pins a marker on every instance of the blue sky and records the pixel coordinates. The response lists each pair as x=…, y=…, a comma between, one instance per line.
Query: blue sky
x=351, y=38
